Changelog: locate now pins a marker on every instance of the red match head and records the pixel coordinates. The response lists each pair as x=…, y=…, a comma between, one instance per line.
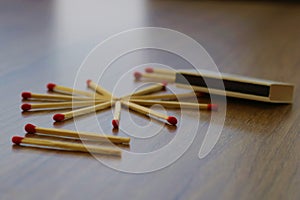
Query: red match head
x=26, y=95
x=51, y=86
x=58, y=117
x=149, y=70
x=26, y=107
x=88, y=82
x=164, y=83
x=137, y=75
x=30, y=128
x=212, y=107
x=172, y=120
x=17, y=139
x=115, y=123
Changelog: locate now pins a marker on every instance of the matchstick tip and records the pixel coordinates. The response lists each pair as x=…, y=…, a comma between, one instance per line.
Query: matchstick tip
x=149, y=70
x=51, y=86
x=172, y=120
x=58, y=117
x=164, y=83
x=115, y=123
x=26, y=95
x=26, y=107
x=17, y=139
x=212, y=107
x=137, y=75
x=88, y=82
x=30, y=128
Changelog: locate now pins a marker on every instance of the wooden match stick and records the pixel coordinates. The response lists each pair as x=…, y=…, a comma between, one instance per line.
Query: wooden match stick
x=98, y=89
x=66, y=145
x=168, y=96
x=30, y=128
x=176, y=104
x=141, y=109
x=148, y=90
x=159, y=77
x=28, y=106
x=117, y=113
x=29, y=95
x=68, y=115
x=160, y=71
x=66, y=90
x=153, y=88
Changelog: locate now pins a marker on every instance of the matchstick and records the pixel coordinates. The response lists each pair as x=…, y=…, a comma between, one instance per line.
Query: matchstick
x=68, y=115
x=66, y=90
x=158, y=77
x=141, y=109
x=160, y=71
x=117, y=113
x=151, y=89
x=98, y=89
x=148, y=90
x=30, y=128
x=168, y=96
x=176, y=104
x=29, y=95
x=66, y=145
x=28, y=106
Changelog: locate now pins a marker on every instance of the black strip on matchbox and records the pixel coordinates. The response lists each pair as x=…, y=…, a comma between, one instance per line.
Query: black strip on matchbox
x=214, y=83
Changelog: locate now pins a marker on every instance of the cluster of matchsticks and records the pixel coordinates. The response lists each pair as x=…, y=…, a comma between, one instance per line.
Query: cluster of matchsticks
x=56, y=142
x=85, y=102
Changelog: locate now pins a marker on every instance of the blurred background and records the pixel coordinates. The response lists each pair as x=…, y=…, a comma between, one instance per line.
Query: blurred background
x=63, y=32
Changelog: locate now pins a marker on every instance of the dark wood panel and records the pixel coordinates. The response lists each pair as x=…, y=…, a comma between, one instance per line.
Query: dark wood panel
x=257, y=155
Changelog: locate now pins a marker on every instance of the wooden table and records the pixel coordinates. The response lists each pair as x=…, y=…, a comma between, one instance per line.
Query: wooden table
x=257, y=155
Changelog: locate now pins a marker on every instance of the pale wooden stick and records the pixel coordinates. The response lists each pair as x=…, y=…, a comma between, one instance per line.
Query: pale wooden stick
x=117, y=113
x=159, y=77
x=69, y=104
x=141, y=109
x=66, y=145
x=30, y=128
x=66, y=90
x=160, y=71
x=167, y=96
x=81, y=111
x=148, y=90
x=176, y=104
x=98, y=89
x=29, y=95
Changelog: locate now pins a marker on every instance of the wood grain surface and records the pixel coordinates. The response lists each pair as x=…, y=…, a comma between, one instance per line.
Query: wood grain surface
x=257, y=155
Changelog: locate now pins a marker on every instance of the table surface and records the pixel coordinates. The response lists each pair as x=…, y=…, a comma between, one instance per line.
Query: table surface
x=257, y=154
